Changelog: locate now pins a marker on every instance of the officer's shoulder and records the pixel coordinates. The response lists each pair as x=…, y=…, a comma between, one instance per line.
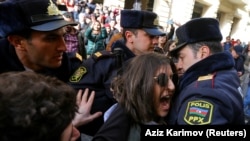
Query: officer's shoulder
x=102, y=55
x=74, y=56
x=206, y=77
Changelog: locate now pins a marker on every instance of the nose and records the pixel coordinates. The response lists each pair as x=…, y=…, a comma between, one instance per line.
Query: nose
x=62, y=45
x=75, y=134
x=155, y=40
x=171, y=86
x=177, y=63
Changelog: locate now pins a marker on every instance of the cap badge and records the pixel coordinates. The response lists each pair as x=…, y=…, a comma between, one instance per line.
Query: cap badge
x=156, y=21
x=176, y=40
x=52, y=9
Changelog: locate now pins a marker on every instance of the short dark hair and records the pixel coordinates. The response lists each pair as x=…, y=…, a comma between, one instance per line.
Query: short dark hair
x=34, y=107
x=214, y=46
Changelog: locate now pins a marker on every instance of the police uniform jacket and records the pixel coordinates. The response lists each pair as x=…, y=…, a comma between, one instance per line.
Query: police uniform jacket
x=209, y=94
x=96, y=73
x=10, y=62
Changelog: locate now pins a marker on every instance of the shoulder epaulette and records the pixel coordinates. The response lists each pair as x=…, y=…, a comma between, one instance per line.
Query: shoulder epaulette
x=74, y=56
x=78, y=56
x=206, y=80
x=206, y=77
x=102, y=54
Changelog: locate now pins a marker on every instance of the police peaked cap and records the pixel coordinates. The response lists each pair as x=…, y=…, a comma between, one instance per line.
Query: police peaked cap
x=40, y=15
x=197, y=30
x=140, y=20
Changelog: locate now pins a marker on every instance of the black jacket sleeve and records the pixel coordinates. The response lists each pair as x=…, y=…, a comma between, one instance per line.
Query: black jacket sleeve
x=116, y=128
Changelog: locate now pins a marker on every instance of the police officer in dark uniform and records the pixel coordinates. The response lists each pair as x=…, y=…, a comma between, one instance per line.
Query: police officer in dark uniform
x=209, y=91
x=32, y=32
x=140, y=35
x=33, y=39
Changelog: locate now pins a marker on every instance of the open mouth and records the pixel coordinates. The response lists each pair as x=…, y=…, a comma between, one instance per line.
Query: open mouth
x=165, y=99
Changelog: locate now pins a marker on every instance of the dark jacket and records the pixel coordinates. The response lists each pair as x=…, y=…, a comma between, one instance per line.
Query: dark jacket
x=10, y=62
x=96, y=73
x=116, y=128
x=239, y=64
x=209, y=94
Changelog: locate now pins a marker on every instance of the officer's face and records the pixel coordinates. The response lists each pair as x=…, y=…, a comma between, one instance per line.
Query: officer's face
x=186, y=57
x=44, y=49
x=163, y=90
x=141, y=42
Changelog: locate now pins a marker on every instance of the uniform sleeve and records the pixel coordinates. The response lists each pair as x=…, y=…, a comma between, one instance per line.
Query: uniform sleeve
x=205, y=106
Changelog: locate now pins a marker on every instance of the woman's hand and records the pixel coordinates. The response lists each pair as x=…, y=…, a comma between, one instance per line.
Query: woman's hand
x=84, y=103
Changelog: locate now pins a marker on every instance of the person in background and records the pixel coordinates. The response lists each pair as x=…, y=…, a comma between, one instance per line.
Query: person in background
x=114, y=38
x=162, y=42
x=227, y=44
x=96, y=35
x=74, y=36
x=70, y=5
x=113, y=28
x=109, y=34
x=71, y=39
x=34, y=107
x=97, y=72
x=245, y=77
x=170, y=45
x=239, y=59
x=144, y=93
x=209, y=89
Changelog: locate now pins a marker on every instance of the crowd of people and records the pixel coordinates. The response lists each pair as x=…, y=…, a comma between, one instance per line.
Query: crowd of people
x=64, y=77
x=96, y=24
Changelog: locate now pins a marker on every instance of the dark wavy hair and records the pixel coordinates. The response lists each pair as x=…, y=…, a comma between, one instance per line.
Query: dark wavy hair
x=34, y=107
x=134, y=89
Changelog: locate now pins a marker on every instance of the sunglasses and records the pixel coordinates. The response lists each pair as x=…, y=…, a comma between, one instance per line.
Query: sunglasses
x=162, y=79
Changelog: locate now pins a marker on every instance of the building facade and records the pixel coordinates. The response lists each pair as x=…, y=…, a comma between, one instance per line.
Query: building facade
x=233, y=15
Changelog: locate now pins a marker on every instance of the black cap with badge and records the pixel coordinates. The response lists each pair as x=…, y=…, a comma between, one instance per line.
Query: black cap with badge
x=40, y=15
x=197, y=30
x=140, y=20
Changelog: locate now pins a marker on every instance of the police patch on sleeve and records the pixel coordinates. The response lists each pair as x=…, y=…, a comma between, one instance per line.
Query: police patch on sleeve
x=76, y=77
x=198, y=112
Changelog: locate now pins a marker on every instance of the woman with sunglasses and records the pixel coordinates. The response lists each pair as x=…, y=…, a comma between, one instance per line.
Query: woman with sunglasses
x=144, y=93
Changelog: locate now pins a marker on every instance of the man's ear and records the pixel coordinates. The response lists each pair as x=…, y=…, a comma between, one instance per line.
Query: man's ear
x=16, y=41
x=205, y=51
x=129, y=36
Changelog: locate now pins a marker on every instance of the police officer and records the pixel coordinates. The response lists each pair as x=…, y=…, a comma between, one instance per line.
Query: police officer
x=33, y=41
x=209, y=89
x=140, y=35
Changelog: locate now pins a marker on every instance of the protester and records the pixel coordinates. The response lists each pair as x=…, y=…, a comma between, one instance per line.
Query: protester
x=97, y=72
x=34, y=107
x=96, y=35
x=144, y=93
x=33, y=40
x=209, y=90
